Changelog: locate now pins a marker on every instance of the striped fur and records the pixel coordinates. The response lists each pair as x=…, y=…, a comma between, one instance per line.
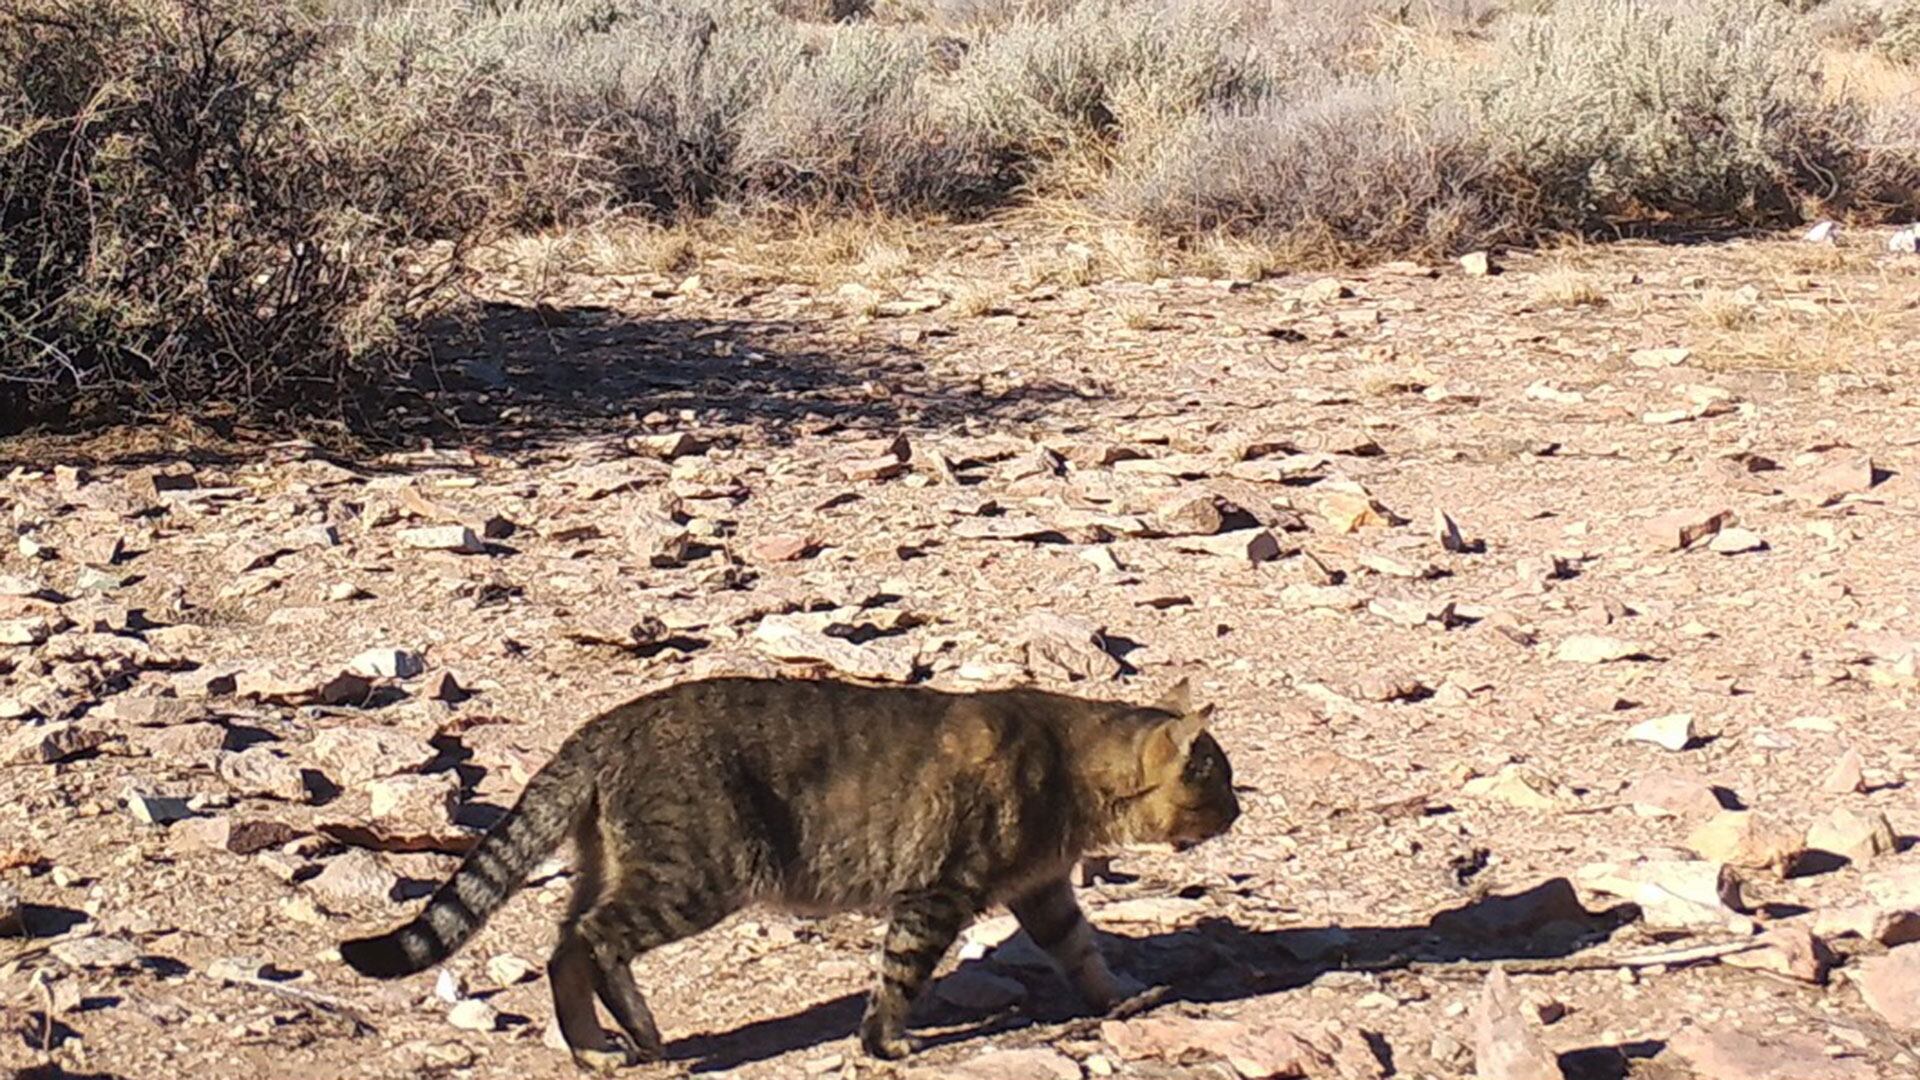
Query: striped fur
x=685, y=805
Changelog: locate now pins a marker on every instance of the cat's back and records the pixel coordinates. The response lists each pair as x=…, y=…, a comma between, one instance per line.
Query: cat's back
x=794, y=734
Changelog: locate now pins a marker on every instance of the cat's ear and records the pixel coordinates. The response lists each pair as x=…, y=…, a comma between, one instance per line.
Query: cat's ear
x=1168, y=744
x=1178, y=698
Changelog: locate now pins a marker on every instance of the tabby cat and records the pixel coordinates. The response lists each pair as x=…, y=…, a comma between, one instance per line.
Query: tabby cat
x=687, y=804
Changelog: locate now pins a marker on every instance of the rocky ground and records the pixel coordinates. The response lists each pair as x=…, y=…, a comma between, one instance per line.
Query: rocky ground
x=1561, y=624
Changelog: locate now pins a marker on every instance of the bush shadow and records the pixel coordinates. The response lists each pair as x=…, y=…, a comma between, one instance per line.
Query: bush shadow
x=526, y=381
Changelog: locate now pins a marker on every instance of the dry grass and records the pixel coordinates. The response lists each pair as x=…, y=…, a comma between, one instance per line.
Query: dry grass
x=976, y=297
x=1846, y=336
x=1564, y=285
x=1139, y=315
x=1721, y=309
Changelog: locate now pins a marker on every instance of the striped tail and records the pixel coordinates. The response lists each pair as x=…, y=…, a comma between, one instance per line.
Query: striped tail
x=493, y=871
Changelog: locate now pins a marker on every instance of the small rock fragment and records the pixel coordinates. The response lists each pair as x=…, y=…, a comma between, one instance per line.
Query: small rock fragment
x=1851, y=475
x=1477, y=264
x=780, y=547
x=1254, y=545
x=96, y=953
x=1189, y=514
x=1681, y=529
x=1597, y=649
x=1522, y=787
x=155, y=809
x=507, y=969
x=473, y=1014
x=1063, y=647
x=1847, y=777
x=387, y=663
x=355, y=755
x=787, y=637
x=31, y=631
x=1734, y=541
x=355, y=879
x=455, y=538
x=1505, y=1046
x=1033, y=1064
x=1792, y=951
x=1748, y=840
x=1856, y=837
x=415, y=806
x=1672, y=732
x=1659, y=358
x=1351, y=511
x=265, y=772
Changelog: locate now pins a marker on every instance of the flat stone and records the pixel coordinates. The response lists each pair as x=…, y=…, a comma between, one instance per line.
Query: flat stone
x=1520, y=786
x=1891, y=986
x=310, y=688
x=265, y=772
x=1672, y=893
x=1856, y=837
x=44, y=744
x=1748, y=840
x=1597, y=649
x=1733, y=541
x=96, y=953
x=1672, y=794
x=355, y=755
x=784, y=637
x=1251, y=1050
x=458, y=539
x=1790, y=950
x=1730, y=1054
x=473, y=1015
x=1254, y=545
x=1673, y=732
x=29, y=631
x=355, y=879
x=1068, y=648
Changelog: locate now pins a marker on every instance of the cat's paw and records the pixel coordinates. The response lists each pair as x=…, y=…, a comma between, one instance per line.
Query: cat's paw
x=611, y=1059
x=886, y=1045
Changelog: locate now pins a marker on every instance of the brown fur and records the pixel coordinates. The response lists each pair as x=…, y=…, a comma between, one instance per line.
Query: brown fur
x=688, y=804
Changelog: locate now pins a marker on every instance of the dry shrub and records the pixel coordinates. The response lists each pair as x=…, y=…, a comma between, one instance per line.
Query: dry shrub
x=1350, y=171
x=1603, y=111
x=174, y=234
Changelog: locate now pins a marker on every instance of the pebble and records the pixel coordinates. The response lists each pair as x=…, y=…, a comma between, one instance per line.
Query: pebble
x=473, y=1015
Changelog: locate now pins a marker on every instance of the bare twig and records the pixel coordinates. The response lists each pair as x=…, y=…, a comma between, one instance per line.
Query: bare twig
x=324, y=1004
x=1665, y=957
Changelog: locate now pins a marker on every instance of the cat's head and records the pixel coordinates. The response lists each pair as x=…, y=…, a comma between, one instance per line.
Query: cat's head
x=1176, y=785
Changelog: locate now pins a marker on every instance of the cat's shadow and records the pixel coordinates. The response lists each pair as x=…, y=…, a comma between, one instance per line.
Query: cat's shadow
x=1213, y=961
